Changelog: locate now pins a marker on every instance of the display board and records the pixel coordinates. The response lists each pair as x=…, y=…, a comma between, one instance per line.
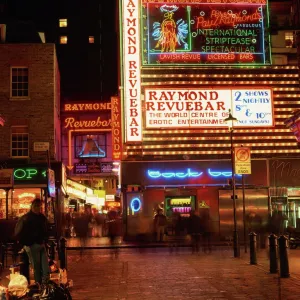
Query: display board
x=192, y=107
x=205, y=32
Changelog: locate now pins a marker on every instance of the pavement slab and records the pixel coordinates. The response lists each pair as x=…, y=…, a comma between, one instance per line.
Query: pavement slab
x=157, y=274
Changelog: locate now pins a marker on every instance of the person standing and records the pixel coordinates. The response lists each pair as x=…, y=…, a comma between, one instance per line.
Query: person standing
x=206, y=228
x=32, y=232
x=195, y=230
x=160, y=223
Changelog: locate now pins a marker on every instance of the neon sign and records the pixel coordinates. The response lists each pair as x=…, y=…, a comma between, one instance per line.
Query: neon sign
x=210, y=32
x=28, y=173
x=183, y=210
x=132, y=73
x=187, y=174
x=173, y=108
x=116, y=128
x=71, y=122
x=180, y=201
x=74, y=107
x=135, y=204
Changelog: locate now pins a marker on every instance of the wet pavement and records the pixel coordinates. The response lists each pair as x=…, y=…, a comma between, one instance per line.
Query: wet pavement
x=155, y=273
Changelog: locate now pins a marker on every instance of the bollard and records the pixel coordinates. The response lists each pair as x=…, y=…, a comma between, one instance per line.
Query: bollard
x=273, y=253
x=283, y=255
x=24, y=264
x=252, y=240
x=63, y=253
x=52, y=246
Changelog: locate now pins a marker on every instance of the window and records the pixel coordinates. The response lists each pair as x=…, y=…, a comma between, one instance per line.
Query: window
x=88, y=146
x=289, y=39
x=91, y=39
x=19, y=82
x=63, y=39
x=19, y=141
x=63, y=22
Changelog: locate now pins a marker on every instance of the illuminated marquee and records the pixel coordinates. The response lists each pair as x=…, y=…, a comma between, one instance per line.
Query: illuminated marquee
x=171, y=108
x=205, y=32
x=132, y=76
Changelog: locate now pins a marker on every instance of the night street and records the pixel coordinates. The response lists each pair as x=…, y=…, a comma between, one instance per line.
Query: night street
x=157, y=274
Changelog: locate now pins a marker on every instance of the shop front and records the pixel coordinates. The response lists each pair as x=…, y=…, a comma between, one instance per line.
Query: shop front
x=183, y=186
x=28, y=182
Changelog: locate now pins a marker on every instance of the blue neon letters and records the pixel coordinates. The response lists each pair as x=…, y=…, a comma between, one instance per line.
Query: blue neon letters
x=187, y=174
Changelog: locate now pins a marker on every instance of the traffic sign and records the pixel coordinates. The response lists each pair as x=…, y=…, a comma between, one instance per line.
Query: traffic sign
x=242, y=160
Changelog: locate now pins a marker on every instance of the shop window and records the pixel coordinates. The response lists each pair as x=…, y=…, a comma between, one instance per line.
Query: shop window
x=63, y=39
x=91, y=39
x=19, y=141
x=289, y=39
x=19, y=83
x=90, y=146
x=63, y=22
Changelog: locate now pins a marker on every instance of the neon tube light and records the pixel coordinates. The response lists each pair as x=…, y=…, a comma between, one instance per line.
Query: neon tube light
x=188, y=174
x=135, y=204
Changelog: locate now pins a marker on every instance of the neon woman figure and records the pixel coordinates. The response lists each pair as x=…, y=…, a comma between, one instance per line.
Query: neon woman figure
x=170, y=33
x=168, y=39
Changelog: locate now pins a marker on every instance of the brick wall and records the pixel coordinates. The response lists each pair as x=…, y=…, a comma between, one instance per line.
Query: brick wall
x=38, y=112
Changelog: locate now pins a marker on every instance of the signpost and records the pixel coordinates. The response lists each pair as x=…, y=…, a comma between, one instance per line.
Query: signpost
x=242, y=160
x=242, y=165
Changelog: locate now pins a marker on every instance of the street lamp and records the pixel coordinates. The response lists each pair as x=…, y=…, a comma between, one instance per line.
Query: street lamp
x=230, y=121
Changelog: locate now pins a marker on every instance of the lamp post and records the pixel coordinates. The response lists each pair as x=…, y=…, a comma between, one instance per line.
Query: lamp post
x=230, y=120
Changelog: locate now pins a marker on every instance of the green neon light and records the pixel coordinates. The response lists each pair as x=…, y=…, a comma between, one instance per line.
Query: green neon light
x=144, y=25
x=28, y=173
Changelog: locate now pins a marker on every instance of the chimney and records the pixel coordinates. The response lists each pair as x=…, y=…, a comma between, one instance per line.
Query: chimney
x=2, y=33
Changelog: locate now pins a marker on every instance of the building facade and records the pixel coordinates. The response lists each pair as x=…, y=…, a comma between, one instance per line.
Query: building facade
x=184, y=65
x=30, y=136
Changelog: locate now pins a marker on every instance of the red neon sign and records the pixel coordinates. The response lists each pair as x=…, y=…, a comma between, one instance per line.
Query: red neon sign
x=219, y=18
x=116, y=128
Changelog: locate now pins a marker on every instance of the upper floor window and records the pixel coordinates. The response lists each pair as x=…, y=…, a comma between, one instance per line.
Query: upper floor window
x=19, y=82
x=91, y=39
x=63, y=39
x=63, y=22
x=19, y=141
x=289, y=39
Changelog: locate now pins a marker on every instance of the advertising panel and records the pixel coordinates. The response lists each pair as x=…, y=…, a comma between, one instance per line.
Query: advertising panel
x=205, y=32
x=131, y=71
x=171, y=108
x=116, y=117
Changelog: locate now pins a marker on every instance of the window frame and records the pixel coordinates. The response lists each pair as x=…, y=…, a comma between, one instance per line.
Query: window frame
x=91, y=39
x=17, y=148
x=63, y=21
x=60, y=39
x=12, y=97
x=289, y=36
